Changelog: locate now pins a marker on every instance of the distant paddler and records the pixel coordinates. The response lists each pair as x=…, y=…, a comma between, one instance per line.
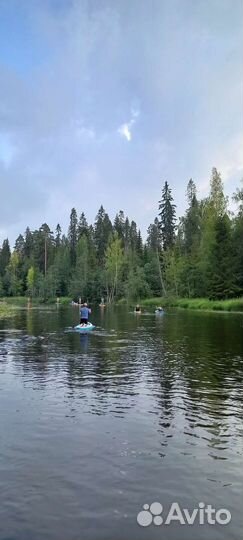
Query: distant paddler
x=159, y=310
x=102, y=303
x=137, y=309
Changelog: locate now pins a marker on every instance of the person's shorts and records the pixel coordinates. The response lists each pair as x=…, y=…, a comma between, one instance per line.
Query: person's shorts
x=83, y=321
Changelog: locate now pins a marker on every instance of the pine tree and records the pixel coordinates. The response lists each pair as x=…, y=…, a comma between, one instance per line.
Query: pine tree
x=139, y=245
x=238, y=241
x=167, y=219
x=221, y=279
x=191, y=221
x=102, y=233
x=133, y=235
x=28, y=243
x=119, y=225
x=83, y=228
x=154, y=238
x=72, y=235
x=19, y=246
x=126, y=234
x=58, y=236
x=5, y=255
x=46, y=245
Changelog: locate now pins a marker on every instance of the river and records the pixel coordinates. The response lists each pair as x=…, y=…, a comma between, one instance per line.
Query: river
x=145, y=409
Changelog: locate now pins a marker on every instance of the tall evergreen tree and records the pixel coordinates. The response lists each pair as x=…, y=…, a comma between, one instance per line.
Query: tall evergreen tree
x=221, y=279
x=58, y=235
x=5, y=255
x=19, y=246
x=133, y=235
x=73, y=235
x=83, y=228
x=217, y=197
x=167, y=215
x=102, y=232
x=126, y=234
x=154, y=238
x=119, y=225
x=139, y=245
x=238, y=241
x=28, y=243
x=192, y=219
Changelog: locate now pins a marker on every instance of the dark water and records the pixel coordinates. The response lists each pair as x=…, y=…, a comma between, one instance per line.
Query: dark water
x=93, y=427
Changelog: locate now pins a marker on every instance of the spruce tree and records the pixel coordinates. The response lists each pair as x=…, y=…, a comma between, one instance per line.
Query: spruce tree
x=83, y=228
x=102, y=232
x=167, y=217
x=5, y=255
x=191, y=221
x=154, y=238
x=72, y=235
x=119, y=225
x=28, y=243
x=221, y=278
x=58, y=235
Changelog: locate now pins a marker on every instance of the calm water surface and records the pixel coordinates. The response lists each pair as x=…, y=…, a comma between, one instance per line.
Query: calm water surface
x=93, y=427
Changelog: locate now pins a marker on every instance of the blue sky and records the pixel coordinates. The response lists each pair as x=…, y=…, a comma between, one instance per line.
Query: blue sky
x=101, y=101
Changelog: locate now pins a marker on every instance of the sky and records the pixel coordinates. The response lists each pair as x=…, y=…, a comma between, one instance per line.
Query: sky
x=101, y=101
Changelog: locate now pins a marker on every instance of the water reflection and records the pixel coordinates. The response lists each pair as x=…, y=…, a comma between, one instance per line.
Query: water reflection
x=139, y=388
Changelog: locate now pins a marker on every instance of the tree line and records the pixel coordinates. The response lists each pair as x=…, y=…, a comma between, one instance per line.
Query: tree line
x=198, y=255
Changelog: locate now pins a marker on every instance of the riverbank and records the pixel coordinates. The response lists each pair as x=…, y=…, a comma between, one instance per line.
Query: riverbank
x=234, y=304
x=8, y=304
x=22, y=301
x=6, y=310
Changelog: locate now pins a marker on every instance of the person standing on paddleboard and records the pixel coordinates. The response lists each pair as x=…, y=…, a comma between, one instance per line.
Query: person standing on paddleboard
x=84, y=314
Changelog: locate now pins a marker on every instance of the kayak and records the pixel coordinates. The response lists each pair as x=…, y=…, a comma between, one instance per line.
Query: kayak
x=159, y=312
x=83, y=328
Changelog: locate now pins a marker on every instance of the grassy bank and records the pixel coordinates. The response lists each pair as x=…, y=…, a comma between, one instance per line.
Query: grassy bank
x=22, y=301
x=6, y=310
x=235, y=304
x=7, y=304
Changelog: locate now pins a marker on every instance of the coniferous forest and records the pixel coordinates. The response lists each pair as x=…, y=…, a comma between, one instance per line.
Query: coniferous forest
x=197, y=255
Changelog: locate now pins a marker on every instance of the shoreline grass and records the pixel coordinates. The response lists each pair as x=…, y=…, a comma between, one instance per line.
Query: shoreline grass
x=230, y=305
x=22, y=301
x=8, y=304
x=6, y=310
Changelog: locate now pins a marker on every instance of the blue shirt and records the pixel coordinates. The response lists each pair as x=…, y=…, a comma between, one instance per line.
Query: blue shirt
x=84, y=312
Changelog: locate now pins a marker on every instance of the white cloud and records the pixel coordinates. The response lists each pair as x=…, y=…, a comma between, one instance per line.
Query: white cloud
x=125, y=130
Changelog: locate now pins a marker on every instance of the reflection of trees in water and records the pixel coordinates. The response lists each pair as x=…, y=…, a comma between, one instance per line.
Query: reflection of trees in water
x=109, y=371
x=187, y=366
x=208, y=376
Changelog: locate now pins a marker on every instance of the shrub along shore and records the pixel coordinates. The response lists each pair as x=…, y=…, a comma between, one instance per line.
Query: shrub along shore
x=8, y=305
x=234, y=304
x=6, y=310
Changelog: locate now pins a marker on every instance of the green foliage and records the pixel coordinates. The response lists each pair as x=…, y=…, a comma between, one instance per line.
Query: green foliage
x=5, y=255
x=102, y=232
x=31, y=279
x=167, y=217
x=73, y=235
x=200, y=256
x=114, y=260
x=6, y=310
x=137, y=286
